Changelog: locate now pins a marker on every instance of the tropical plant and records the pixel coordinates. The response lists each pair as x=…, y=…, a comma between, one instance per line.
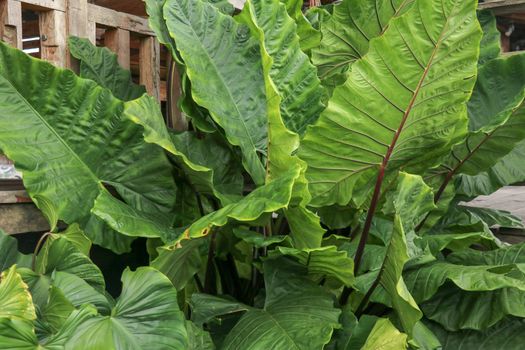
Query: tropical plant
x=316, y=201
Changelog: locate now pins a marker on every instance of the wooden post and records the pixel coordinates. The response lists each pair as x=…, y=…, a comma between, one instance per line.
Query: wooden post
x=53, y=34
x=77, y=25
x=117, y=40
x=150, y=65
x=11, y=22
x=92, y=32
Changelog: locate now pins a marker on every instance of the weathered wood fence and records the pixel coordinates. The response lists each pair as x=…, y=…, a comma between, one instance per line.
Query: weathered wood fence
x=58, y=19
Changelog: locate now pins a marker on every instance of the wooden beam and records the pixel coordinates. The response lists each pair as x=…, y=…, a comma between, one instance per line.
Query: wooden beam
x=54, y=37
x=11, y=22
x=501, y=7
x=92, y=32
x=77, y=25
x=150, y=65
x=117, y=40
x=114, y=19
x=45, y=5
x=21, y=218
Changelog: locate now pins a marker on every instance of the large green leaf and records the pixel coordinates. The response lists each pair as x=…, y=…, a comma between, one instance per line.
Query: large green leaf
x=385, y=336
x=495, y=217
x=322, y=262
x=21, y=335
x=146, y=316
x=308, y=35
x=347, y=33
x=390, y=278
x=354, y=333
x=295, y=78
x=207, y=308
x=198, y=339
x=305, y=227
x=77, y=291
x=508, y=170
x=411, y=200
x=155, y=11
x=424, y=281
x=15, y=301
x=180, y=264
x=56, y=312
x=214, y=70
x=266, y=199
x=101, y=65
x=508, y=334
x=9, y=254
x=498, y=92
x=453, y=241
x=69, y=138
x=496, y=120
x=455, y=309
x=75, y=236
x=490, y=46
x=61, y=255
x=394, y=110
x=101, y=234
x=207, y=162
x=297, y=313
x=133, y=222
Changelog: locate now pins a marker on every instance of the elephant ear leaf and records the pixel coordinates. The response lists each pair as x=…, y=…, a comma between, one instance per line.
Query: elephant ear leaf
x=295, y=78
x=69, y=138
x=395, y=108
x=227, y=79
x=508, y=170
x=385, y=336
x=297, y=313
x=496, y=120
x=15, y=301
x=9, y=254
x=347, y=33
x=147, y=297
x=490, y=47
x=265, y=199
x=101, y=65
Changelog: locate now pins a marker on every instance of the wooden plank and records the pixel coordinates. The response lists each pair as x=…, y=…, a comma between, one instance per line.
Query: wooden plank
x=501, y=7
x=11, y=22
x=45, y=5
x=77, y=13
x=150, y=65
x=92, y=32
x=117, y=40
x=114, y=19
x=54, y=37
x=77, y=25
x=21, y=218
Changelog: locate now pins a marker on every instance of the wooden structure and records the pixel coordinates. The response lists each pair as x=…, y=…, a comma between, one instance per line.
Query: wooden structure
x=58, y=19
x=501, y=7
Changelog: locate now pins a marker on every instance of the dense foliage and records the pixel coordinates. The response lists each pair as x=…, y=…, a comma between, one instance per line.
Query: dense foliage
x=317, y=201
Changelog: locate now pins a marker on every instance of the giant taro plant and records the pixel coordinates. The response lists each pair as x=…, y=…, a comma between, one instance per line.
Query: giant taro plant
x=317, y=200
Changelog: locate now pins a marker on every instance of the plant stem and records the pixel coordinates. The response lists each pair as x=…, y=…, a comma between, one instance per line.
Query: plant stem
x=198, y=282
x=369, y=217
x=453, y=171
x=368, y=294
x=210, y=281
x=37, y=248
x=230, y=281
